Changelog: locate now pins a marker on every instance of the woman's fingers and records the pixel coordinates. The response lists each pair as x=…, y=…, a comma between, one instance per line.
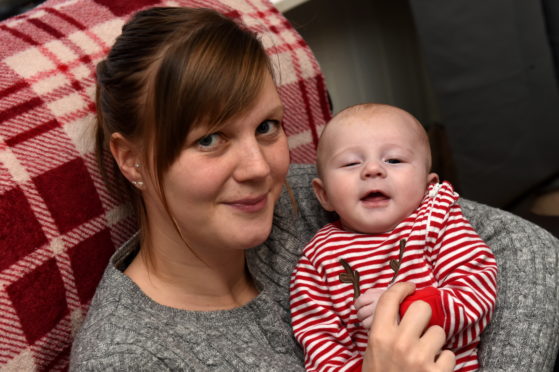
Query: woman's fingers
x=417, y=317
x=428, y=349
x=388, y=306
x=432, y=340
x=446, y=361
x=405, y=346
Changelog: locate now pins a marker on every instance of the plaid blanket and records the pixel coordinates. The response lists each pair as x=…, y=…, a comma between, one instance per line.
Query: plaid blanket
x=58, y=223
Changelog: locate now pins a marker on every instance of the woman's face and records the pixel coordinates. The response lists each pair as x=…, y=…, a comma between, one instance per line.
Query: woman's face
x=223, y=186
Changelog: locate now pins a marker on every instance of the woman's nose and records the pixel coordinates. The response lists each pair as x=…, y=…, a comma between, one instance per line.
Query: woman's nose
x=252, y=163
x=373, y=169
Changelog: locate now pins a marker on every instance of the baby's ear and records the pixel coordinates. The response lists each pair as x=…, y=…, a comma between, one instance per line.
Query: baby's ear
x=432, y=178
x=320, y=193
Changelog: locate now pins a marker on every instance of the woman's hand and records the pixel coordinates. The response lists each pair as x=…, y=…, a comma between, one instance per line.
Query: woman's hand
x=405, y=345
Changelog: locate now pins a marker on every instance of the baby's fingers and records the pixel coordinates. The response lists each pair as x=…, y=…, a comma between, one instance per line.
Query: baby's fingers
x=366, y=311
x=366, y=323
x=366, y=305
x=370, y=296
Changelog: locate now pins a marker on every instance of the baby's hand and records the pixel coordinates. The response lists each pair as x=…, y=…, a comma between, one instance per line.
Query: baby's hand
x=366, y=305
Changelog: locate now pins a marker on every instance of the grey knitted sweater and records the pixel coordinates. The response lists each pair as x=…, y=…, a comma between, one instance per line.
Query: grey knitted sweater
x=125, y=330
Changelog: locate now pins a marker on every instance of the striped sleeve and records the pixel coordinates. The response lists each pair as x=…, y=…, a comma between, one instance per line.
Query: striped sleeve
x=325, y=339
x=465, y=270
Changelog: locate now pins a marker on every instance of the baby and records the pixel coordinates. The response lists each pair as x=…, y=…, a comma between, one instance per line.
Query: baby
x=396, y=224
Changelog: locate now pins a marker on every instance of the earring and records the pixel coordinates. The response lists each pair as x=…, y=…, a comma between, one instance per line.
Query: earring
x=138, y=184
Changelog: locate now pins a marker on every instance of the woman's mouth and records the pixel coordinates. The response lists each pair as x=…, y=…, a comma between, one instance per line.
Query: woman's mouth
x=250, y=204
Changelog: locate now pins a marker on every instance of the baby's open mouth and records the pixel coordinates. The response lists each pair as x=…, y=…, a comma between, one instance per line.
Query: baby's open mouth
x=375, y=196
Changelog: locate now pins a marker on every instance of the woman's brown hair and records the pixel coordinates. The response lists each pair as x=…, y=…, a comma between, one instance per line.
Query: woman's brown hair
x=170, y=70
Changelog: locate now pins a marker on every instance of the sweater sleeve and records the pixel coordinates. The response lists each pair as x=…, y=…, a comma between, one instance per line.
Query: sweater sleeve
x=465, y=270
x=524, y=332
x=327, y=343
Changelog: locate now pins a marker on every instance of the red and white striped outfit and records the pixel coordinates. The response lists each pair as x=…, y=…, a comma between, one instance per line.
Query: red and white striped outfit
x=443, y=255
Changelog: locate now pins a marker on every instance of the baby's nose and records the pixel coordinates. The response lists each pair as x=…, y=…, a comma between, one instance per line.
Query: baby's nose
x=373, y=169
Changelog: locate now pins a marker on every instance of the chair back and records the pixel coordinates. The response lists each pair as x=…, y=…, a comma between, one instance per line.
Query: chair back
x=58, y=223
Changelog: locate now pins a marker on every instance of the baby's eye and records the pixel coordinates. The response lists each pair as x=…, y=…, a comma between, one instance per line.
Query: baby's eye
x=268, y=127
x=393, y=161
x=350, y=164
x=209, y=141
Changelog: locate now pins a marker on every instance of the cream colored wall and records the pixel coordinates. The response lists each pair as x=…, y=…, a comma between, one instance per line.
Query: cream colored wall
x=368, y=51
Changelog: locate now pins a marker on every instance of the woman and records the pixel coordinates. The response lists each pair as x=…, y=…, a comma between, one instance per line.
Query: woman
x=189, y=110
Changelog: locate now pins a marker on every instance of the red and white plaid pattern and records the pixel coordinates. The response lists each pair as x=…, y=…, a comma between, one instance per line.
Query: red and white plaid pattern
x=58, y=223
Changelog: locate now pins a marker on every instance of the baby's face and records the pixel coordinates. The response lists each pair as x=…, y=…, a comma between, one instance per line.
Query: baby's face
x=374, y=169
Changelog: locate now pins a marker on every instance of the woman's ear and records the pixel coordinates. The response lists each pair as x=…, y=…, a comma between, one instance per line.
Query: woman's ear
x=432, y=178
x=320, y=193
x=126, y=156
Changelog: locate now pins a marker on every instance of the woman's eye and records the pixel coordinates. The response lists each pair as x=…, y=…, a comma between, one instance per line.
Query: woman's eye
x=267, y=127
x=209, y=141
x=393, y=161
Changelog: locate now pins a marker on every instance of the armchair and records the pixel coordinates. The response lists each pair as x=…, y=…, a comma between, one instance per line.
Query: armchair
x=59, y=225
